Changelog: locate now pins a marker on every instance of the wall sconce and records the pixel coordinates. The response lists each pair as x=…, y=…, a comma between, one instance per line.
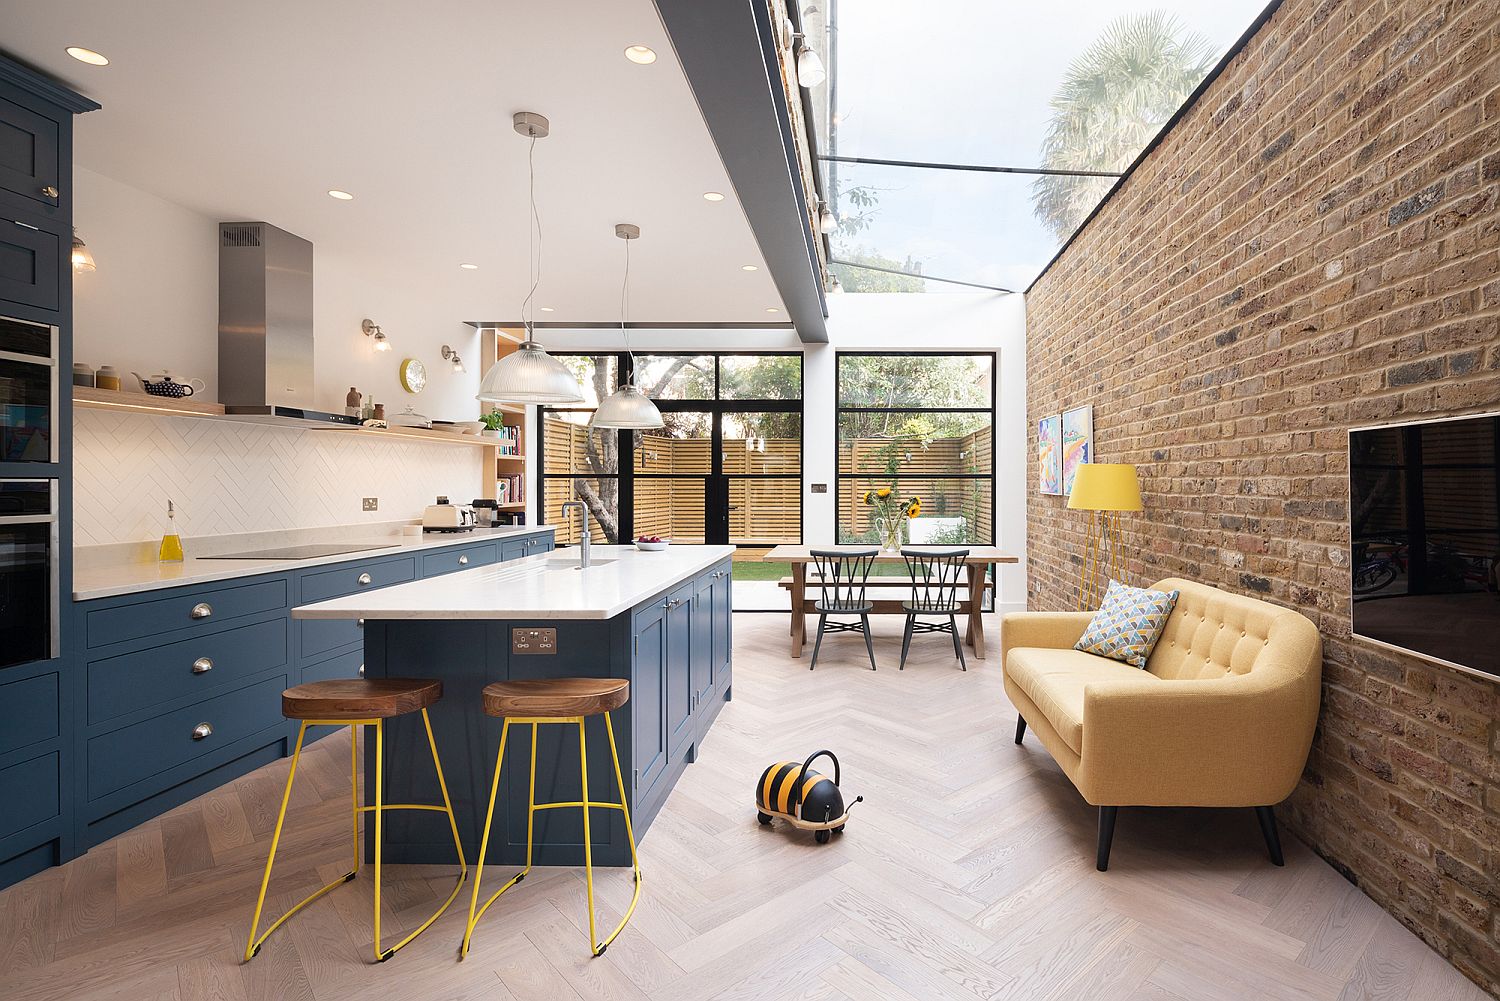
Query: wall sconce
x=449, y=355
x=82, y=259
x=382, y=342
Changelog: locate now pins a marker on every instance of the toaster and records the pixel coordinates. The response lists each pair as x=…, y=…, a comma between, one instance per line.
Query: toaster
x=446, y=517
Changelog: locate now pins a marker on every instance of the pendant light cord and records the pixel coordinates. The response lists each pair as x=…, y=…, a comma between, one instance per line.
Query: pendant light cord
x=624, y=305
x=534, y=245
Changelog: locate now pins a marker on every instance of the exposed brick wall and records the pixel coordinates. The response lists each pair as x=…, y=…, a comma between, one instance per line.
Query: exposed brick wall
x=1313, y=247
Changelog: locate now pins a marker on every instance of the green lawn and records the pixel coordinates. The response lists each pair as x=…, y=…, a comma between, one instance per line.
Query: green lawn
x=759, y=570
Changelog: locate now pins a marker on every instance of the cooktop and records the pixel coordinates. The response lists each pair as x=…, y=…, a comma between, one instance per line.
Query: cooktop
x=304, y=552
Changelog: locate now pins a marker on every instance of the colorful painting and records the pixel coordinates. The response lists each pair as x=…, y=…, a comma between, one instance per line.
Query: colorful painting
x=1077, y=442
x=1049, y=454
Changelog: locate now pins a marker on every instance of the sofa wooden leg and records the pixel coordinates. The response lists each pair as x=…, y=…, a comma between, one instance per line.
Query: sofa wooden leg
x=1106, y=835
x=1020, y=728
x=1267, y=817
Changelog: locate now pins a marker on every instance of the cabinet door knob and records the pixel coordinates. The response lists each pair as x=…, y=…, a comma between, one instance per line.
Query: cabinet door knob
x=203, y=730
x=361, y=670
x=50, y=191
x=463, y=561
x=360, y=623
x=202, y=665
x=202, y=610
x=363, y=579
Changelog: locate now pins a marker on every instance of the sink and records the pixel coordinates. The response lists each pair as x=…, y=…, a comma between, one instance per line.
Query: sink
x=572, y=564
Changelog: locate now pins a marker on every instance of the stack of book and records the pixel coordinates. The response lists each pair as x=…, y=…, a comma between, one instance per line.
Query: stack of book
x=510, y=490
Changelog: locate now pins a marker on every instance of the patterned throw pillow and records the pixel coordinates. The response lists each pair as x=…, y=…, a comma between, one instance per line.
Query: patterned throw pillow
x=1128, y=623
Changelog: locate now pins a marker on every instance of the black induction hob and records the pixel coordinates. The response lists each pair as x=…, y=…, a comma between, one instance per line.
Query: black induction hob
x=305, y=552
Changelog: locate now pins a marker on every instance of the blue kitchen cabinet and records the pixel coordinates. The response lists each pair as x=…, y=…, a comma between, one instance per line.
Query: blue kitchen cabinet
x=452, y=559
x=678, y=609
x=648, y=699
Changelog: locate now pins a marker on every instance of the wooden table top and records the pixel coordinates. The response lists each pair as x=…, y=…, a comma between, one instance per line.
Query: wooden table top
x=803, y=554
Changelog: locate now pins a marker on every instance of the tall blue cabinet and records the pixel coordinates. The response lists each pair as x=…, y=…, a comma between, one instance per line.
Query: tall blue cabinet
x=37, y=698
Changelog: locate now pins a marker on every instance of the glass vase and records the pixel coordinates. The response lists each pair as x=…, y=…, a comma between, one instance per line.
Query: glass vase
x=890, y=535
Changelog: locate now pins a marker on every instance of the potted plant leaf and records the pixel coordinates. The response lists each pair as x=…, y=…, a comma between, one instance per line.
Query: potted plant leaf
x=494, y=424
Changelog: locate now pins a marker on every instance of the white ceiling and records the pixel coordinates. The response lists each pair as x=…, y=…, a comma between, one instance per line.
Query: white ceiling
x=253, y=110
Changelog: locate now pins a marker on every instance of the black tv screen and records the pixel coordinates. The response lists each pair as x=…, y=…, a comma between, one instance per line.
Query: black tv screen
x=1424, y=531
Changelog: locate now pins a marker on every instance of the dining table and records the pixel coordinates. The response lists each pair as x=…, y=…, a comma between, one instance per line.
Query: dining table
x=976, y=567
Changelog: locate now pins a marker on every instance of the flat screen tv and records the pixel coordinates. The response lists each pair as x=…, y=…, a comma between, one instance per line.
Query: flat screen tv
x=1424, y=531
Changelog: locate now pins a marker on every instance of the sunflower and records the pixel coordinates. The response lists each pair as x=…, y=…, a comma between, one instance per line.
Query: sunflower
x=883, y=493
x=913, y=507
x=869, y=497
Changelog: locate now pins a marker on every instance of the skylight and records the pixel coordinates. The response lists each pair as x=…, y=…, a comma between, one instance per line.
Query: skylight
x=978, y=83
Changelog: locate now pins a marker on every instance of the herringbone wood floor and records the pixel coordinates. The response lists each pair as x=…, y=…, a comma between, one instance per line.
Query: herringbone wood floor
x=966, y=873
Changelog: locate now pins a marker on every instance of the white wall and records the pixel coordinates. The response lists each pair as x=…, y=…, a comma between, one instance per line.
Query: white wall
x=895, y=322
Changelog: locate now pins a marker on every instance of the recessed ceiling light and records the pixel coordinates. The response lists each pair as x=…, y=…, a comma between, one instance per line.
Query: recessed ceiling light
x=469, y=267
x=342, y=196
x=643, y=54
x=87, y=56
x=748, y=267
x=713, y=196
x=772, y=309
x=548, y=309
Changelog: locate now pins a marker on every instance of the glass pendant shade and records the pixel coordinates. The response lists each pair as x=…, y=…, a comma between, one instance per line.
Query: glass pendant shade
x=627, y=408
x=82, y=259
x=529, y=375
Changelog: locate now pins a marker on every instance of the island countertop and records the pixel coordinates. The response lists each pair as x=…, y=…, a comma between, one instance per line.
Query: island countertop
x=545, y=586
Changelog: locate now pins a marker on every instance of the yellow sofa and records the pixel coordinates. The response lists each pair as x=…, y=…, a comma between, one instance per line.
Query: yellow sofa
x=1222, y=715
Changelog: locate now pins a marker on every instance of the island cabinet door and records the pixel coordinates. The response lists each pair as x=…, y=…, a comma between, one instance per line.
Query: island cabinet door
x=648, y=701
x=723, y=617
x=514, y=549
x=679, y=618
x=705, y=629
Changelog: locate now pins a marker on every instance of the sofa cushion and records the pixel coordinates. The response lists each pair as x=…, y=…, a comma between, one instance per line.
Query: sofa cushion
x=1055, y=680
x=1127, y=624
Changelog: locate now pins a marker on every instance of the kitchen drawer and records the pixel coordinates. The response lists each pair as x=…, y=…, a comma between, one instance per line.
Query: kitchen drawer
x=30, y=263
x=199, y=610
x=345, y=665
x=455, y=558
x=29, y=145
x=136, y=752
x=356, y=577
x=317, y=636
x=203, y=665
x=31, y=792
x=28, y=712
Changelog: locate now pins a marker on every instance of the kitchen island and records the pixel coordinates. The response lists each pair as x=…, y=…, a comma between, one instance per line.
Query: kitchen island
x=660, y=620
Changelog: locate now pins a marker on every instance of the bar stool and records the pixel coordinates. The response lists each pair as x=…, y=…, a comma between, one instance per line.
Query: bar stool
x=555, y=700
x=934, y=591
x=355, y=703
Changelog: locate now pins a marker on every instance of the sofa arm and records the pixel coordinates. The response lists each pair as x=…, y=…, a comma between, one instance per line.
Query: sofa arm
x=1240, y=741
x=1049, y=630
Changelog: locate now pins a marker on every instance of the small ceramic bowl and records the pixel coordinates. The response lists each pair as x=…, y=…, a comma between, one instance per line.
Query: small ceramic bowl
x=653, y=547
x=471, y=427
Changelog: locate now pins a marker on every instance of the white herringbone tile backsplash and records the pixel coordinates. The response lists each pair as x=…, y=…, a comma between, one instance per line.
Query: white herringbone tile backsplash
x=226, y=477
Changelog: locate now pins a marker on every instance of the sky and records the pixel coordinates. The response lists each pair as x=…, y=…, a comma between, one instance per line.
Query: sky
x=968, y=81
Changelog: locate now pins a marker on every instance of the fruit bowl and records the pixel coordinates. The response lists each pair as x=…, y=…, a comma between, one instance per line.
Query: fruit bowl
x=652, y=543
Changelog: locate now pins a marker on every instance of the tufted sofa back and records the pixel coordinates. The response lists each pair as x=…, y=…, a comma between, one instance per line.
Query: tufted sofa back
x=1215, y=634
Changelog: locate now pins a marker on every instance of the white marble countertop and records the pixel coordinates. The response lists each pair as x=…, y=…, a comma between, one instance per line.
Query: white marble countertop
x=545, y=586
x=127, y=572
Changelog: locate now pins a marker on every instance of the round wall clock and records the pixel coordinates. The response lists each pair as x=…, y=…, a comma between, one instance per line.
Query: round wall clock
x=413, y=375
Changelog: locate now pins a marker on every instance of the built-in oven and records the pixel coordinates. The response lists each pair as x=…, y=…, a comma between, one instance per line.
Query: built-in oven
x=30, y=593
x=28, y=391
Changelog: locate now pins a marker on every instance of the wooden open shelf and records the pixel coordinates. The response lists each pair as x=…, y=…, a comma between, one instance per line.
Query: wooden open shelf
x=118, y=399
x=419, y=434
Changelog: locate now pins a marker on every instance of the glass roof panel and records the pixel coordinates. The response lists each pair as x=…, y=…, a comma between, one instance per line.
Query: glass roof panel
x=1080, y=84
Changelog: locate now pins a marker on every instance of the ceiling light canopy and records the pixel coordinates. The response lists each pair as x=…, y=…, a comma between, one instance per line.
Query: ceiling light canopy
x=340, y=194
x=89, y=56
x=627, y=408
x=529, y=374
x=644, y=55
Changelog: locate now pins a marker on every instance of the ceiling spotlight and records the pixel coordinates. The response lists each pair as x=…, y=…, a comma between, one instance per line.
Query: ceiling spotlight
x=827, y=221
x=642, y=54
x=449, y=355
x=342, y=196
x=369, y=329
x=810, y=72
x=87, y=56
x=713, y=196
x=469, y=267
x=548, y=309
x=748, y=267
x=772, y=309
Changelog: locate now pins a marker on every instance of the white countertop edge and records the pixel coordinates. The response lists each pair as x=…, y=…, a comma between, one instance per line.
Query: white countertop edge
x=425, y=599
x=207, y=570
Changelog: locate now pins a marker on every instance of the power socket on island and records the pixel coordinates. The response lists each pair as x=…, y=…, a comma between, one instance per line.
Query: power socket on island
x=527, y=640
x=372, y=504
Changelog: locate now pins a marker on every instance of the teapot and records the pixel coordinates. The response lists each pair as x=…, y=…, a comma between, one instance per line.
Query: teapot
x=162, y=385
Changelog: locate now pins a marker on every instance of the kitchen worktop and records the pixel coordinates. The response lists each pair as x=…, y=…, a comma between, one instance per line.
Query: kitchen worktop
x=545, y=586
x=107, y=571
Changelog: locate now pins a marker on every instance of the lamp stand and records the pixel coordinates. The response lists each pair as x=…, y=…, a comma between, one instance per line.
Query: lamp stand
x=1103, y=549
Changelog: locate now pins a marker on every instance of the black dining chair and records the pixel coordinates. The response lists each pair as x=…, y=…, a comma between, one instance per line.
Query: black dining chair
x=935, y=576
x=842, y=575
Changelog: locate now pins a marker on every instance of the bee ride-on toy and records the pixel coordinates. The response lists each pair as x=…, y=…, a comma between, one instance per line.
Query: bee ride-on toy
x=803, y=798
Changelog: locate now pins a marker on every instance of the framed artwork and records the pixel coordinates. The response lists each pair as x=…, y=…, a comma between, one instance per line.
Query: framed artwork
x=1077, y=442
x=1049, y=455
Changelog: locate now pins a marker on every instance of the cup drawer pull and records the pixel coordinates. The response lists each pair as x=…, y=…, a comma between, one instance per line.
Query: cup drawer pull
x=203, y=665
x=463, y=561
x=202, y=610
x=203, y=730
x=363, y=579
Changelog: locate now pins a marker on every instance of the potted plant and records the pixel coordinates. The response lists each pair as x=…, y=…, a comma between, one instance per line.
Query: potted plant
x=494, y=424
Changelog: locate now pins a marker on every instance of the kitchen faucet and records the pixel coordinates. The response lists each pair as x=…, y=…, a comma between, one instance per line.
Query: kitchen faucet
x=583, y=538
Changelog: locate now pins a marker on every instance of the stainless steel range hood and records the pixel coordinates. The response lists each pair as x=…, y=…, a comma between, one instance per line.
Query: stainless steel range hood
x=266, y=324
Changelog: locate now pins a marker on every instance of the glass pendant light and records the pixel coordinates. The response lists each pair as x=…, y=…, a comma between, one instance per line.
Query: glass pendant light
x=529, y=374
x=82, y=259
x=627, y=407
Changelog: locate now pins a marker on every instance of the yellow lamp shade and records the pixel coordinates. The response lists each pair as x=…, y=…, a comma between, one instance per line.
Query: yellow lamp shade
x=1105, y=486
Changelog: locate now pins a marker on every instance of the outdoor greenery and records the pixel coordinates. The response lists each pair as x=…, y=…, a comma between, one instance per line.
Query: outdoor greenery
x=1115, y=97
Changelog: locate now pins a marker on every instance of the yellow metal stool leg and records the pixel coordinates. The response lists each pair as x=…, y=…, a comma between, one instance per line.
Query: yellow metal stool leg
x=379, y=831
x=588, y=841
x=354, y=787
x=475, y=911
x=635, y=861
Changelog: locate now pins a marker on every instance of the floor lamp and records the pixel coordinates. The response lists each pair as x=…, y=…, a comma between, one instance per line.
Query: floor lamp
x=1104, y=490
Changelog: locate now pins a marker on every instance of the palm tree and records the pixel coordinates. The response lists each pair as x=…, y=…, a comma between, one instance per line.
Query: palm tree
x=1114, y=98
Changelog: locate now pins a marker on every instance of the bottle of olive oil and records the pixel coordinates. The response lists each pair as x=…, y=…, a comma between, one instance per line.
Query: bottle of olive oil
x=171, y=543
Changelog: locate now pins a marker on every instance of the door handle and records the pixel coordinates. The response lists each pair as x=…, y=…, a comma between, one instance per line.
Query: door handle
x=202, y=665
x=49, y=191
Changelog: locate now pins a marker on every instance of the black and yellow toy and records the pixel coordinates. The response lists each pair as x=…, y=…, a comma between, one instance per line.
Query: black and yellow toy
x=802, y=797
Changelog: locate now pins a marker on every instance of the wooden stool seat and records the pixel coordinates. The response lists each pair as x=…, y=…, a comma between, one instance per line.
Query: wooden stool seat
x=556, y=697
x=360, y=698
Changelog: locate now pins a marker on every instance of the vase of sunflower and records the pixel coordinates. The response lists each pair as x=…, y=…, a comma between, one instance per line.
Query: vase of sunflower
x=891, y=515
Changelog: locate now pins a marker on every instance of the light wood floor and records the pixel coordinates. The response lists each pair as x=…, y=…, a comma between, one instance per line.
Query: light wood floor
x=966, y=873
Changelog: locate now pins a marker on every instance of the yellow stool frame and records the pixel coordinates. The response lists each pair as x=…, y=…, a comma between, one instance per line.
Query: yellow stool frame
x=595, y=946
x=381, y=955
